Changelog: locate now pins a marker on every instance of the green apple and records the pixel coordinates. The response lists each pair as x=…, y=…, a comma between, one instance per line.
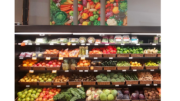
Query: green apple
x=28, y=95
x=45, y=79
x=32, y=99
x=19, y=99
x=27, y=99
x=25, y=92
x=23, y=99
x=34, y=92
x=71, y=13
x=29, y=91
x=19, y=93
x=39, y=90
x=33, y=95
x=36, y=96
x=23, y=96
x=42, y=81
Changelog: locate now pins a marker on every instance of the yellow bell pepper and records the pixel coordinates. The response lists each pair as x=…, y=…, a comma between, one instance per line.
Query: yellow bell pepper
x=111, y=0
x=85, y=16
x=85, y=23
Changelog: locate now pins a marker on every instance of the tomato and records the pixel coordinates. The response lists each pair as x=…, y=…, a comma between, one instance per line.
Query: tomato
x=80, y=7
x=99, y=19
x=112, y=5
x=72, y=7
x=107, y=10
x=88, y=0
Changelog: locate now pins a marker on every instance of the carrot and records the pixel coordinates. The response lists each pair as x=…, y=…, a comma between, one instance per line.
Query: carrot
x=65, y=6
x=65, y=9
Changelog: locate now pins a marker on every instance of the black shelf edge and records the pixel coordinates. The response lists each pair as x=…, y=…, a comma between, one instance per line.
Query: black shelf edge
x=97, y=29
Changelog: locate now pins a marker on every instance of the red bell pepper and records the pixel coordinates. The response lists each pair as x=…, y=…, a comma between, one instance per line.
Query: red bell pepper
x=99, y=19
x=90, y=14
x=91, y=3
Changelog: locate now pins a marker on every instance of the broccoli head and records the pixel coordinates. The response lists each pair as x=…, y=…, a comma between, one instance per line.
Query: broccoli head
x=113, y=80
x=104, y=78
x=118, y=80
x=108, y=79
x=98, y=77
x=119, y=74
x=115, y=76
x=99, y=80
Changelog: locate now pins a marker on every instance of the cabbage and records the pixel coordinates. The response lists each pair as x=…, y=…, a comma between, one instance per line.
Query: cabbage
x=114, y=92
x=107, y=91
x=88, y=92
x=110, y=97
x=103, y=96
x=60, y=18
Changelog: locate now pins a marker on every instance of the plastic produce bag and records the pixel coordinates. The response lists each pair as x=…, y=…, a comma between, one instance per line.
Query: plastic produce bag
x=111, y=39
x=134, y=39
x=105, y=39
x=126, y=39
x=118, y=39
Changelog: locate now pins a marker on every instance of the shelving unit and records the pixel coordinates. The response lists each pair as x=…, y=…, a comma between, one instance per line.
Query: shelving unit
x=80, y=29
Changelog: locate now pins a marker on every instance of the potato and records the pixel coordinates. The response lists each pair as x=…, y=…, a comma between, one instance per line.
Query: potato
x=145, y=91
x=150, y=97
x=154, y=97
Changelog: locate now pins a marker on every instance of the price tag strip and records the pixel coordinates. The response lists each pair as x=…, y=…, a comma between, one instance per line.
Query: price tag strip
x=137, y=44
x=88, y=44
x=155, y=84
x=96, y=44
x=21, y=57
x=95, y=70
x=82, y=44
x=147, y=84
x=154, y=44
x=34, y=58
x=85, y=70
x=66, y=71
x=31, y=71
x=41, y=34
x=130, y=57
x=58, y=85
x=27, y=85
x=123, y=70
x=62, y=44
x=73, y=44
x=51, y=44
x=60, y=58
x=122, y=44
x=107, y=44
x=54, y=71
x=80, y=70
x=129, y=85
x=110, y=57
x=151, y=69
x=48, y=58
x=108, y=70
x=78, y=86
x=134, y=70
x=116, y=85
x=95, y=57
x=82, y=58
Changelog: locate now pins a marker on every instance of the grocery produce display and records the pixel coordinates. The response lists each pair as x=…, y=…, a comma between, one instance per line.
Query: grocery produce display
x=151, y=93
x=138, y=94
x=82, y=77
x=113, y=77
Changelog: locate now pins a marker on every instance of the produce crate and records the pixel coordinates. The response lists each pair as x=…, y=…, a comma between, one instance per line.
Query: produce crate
x=97, y=68
x=150, y=55
x=28, y=83
x=158, y=55
x=82, y=68
x=109, y=55
x=74, y=82
x=124, y=99
x=50, y=55
x=104, y=83
x=156, y=82
x=118, y=83
x=24, y=68
x=89, y=82
x=132, y=82
x=109, y=67
x=123, y=67
x=137, y=67
x=95, y=55
x=151, y=67
x=59, y=83
x=53, y=68
x=137, y=55
x=73, y=67
x=150, y=99
x=145, y=82
x=45, y=83
x=38, y=68
x=123, y=55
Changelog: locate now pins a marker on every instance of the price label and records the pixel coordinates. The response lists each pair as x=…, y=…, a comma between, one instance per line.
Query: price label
x=74, y=44
x=37, y=43
x=48, y=58
x=58, y=85
x=130, y=57
x=82, y=44
x=155, y=84
x=34, y=58
x=88, y=44
x=85, y=70
x=41, y=34
x=31, y=71
x=29, y=43
x=95, y=70
x=78, y=86
x=107, y=44
x=116, y=85
x=80, y=70
x=21, y=57
x=60, y=58
x=66, y=70
x=27, y=85
x=110, y=57
x=154, y=44
x=147, y=84
x=122, y=44
x=134, y=70
x=96, y=44
x=95, y=57
x=62, y=44
x=137, y=44
x=19, y=43
x=54, y=71
x=51, y=44
x=82, y=58
x=152, y=70
x=124, y=70
x=129, y=85
x=108, y=70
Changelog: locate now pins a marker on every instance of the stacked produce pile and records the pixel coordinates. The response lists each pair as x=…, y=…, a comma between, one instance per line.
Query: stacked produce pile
x=109, y=63
x=145, y=76
x=123, y=94
x=29, y=62
x=156, y=76
x=96, y=63
x=109, y=50
x=123, y=63
x=99, y=94
x=95, y=51
x=81, y=77
x=61, y=78
x=126, y=50
x=110, y=77
x=69, y=53
x=151, y=51
x=137, y=95
x=51, y=51
x=71, y=94
x=151, y=63
x=50, y=63
x=135, y=63
x=131, y=76
x=151, y=93
x=83, y=63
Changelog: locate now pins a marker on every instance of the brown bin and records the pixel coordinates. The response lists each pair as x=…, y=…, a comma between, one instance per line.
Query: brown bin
x=150, y=55
x=132, y=82
x=89, y=82
x=137, y=67
x=109, y=55
x=156, y=82
x=151, y=67
x=45, y=83
x=145, y=82
x=82, y=68
x=104, y=83
x=109, y=67
x=97, y=68
x=137, y=55
x=53, y=68
x=123, y=55
x=123, y=67
x=74, y=82
x=38, y=68
x=118, y=83
x=95, y=55
x=59, y=83
x=24, y=68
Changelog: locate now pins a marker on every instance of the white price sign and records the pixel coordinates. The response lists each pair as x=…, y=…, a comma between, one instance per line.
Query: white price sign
x=137, y=44
x=78, y=85
x=110, y=57
x=51, y=44
x=62, y=44
x=95, y=70
x=21, y=57
x=29, y=43
x=154, y=44
x=108, y=70
x=74, y=44
x=129, y=85
x=134, y=70
x=54, y=71
x=155, y=84
x=96, y=44
x=95, y=57
x=122, y=44
x=80, y=70
x=85, y=70
x=34, y=58
x=41, y=34
x=117, y=85
x=130, y=57
x=82, y=44
x=147, y=84
x=58, y=85
x=152, y=70
x=19, y=43
x=27, y=85
x=66, y=70
x=124, y=70
x=107, y=44
x=37, y=43
x=48, y=58
x=60, y=58
x=88, y=44
x=31, y=71
x=82, y=58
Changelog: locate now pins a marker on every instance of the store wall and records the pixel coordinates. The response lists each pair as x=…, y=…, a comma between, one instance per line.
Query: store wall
x=140, y=12
x=18, y=10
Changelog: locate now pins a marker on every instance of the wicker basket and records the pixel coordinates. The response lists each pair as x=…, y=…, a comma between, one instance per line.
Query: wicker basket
x=145, y=82
x=123, y=67
x=24, y=68
x=152, y=67
x=158, y=55
x=95, y=55
x=156, y=82
x=103, y=83
x=109, y=67
x=150, y=55
x=137, y=55
x=118, y=83
x=82, y=68
x=74, y=82
x=137, y=67
x=53, y=68
x=45, y=83
x=132, y=82
x=123, y=55
x=109, y=55
x=150, y=99
x=50, y=55
x=97, y=68
x=38, y=68
x=89, y=82
x=59, y=83
x=28, y=83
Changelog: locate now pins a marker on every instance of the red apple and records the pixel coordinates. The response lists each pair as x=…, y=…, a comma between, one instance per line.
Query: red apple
x=44, y=89
x=51, y=66
x=44, y=99
x=40, y=99
x=40, y=65
x=55, y=60
x=47, y=65
x=50, y=62
x=43, y=63
x=34, y=65
x=54, y=63
x=59, y=63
